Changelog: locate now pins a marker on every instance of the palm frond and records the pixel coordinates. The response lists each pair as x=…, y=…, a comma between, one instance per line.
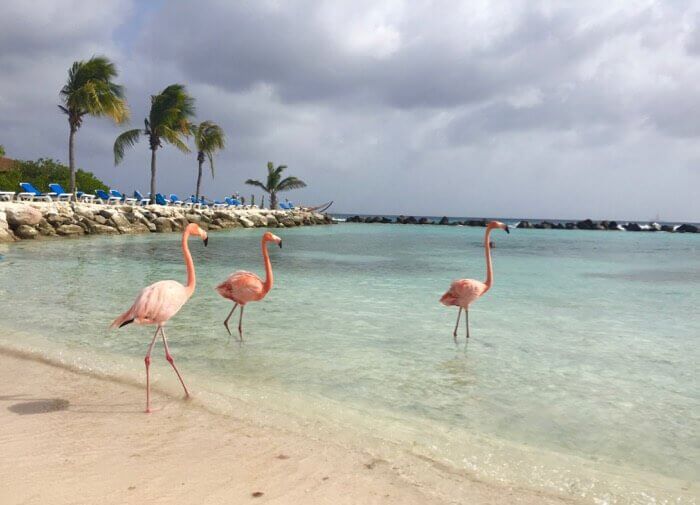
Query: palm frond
x=290, y=183
x=127, y=139
x=253, y=182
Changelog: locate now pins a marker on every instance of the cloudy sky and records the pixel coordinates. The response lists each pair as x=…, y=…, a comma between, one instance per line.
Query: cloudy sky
x=480, y=108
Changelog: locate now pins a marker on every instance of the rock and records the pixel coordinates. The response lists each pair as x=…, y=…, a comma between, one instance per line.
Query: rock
x=163, y=224
x=20, y=214
x=632, y=227
x=586, y=224
x=138, y=228
x=45, y=229
x=273, y=223
x=667, y=227
x=193, y=218
x=425, y=220
x=120, y=223
x=444, y=220
x=570, y=226
x=288, y=222
x=687, y=228
x=6, y=234
x=84, y=211
x=70, y=230
x=107, y=213
x=411, y=220
x=100, y=229
x=386, y=220
x=26, y=232
x=213, y=226
x=227, y=216
x=100, y=219
x=612, y=225
x=57, y=220
x=247, y=223
x=524, y=224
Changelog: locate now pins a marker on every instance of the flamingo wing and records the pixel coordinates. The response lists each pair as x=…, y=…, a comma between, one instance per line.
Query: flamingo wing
x=242, y=287
x=156, y=303
x=463, y=292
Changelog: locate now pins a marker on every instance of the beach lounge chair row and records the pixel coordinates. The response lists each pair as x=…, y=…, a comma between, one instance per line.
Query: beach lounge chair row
x=30, y=193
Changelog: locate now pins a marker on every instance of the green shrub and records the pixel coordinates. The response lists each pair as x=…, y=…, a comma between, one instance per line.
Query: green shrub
x=42, y=172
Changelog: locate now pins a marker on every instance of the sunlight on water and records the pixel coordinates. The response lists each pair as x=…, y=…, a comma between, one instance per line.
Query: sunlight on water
x=587, y=345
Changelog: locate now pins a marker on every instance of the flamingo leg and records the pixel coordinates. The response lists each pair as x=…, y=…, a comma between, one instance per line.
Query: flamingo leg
x=240, y=323
x=454, y=333
x=466, y=320
x=147, y=360
x=229, y=317
x=170, y=359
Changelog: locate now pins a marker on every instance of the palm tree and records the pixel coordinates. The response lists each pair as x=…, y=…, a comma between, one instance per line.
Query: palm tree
x=168, y=120
x=91, y=91
x=208, y=138
x=275, y=183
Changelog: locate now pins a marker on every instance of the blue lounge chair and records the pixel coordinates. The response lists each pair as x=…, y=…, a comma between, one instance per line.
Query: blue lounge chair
x=194, y=202
x=140, y=198
x=105, y=198
x=175, y=200
x=160, y=199
x=85, y=197
x=122, y=198
x=58, y=193
x=233, y=202
x=31, y=194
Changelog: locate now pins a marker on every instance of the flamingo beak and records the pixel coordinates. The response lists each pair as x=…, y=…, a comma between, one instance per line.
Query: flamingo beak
x=280, y=244
x=206, y=241
x=507, y=229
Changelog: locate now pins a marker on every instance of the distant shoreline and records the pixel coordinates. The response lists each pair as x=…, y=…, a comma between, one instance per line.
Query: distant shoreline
x=554, y=224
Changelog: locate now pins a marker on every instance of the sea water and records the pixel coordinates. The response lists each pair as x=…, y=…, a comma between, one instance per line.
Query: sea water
x=580, y=376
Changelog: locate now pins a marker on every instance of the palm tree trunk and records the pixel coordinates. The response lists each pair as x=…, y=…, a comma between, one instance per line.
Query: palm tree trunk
x=71, y=158
x=153, y=175
x=199, y=178
x=273, y=200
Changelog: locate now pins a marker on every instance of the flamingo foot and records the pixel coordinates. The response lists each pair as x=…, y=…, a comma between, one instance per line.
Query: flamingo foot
x=227, y=328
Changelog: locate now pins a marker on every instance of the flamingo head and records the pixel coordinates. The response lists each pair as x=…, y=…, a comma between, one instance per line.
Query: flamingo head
x=271, y=237
x=498, y=224
x=195, y=229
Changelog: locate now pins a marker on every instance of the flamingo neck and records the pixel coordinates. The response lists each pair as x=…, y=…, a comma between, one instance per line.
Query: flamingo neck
x=189, y=264
x=269, y=278
x=489, y=266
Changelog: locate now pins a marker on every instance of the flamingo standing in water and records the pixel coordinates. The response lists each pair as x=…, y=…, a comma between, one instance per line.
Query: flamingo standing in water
x=242, y=287
x=464, y=292
x=160, y=301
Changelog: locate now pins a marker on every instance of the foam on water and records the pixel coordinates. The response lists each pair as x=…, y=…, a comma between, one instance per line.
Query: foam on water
x=581, y=375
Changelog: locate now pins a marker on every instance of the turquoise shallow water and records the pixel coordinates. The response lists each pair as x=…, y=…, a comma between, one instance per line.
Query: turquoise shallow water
x=583, y=360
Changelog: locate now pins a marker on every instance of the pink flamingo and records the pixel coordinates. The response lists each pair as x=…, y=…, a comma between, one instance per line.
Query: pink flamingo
x=464, y=292
x=160, y=301
x=242, y=287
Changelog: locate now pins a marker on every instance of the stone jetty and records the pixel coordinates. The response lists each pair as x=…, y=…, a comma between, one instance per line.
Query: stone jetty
x=26, y=221
x=586, y=224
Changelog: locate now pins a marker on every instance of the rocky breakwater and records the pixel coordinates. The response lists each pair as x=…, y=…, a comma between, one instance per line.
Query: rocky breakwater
x=24, y=221
x=586, y=224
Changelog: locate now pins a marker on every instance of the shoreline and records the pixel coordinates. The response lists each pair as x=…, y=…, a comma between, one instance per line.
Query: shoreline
x=72, y=435
x=38, y=220
x=407, y=474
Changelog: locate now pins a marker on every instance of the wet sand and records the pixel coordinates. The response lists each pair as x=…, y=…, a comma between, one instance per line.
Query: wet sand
x=71, y=438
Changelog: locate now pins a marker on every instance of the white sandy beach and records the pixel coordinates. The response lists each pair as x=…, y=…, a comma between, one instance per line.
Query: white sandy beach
x=71, y=438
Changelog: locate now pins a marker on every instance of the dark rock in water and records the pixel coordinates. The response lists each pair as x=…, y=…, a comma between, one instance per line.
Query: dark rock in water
x=538, y=226
x=632, y=227
x=570, y=226
x=586, y=224
x=558, y=226
x=687, y=228
x=386, y=220
x=425, y=220
x=26, y=232
x=612, y=225
x=524, y=224
x=667, y=227
x=401, y=220
x=444, y=220
x=411, y=220
x=547, y=225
